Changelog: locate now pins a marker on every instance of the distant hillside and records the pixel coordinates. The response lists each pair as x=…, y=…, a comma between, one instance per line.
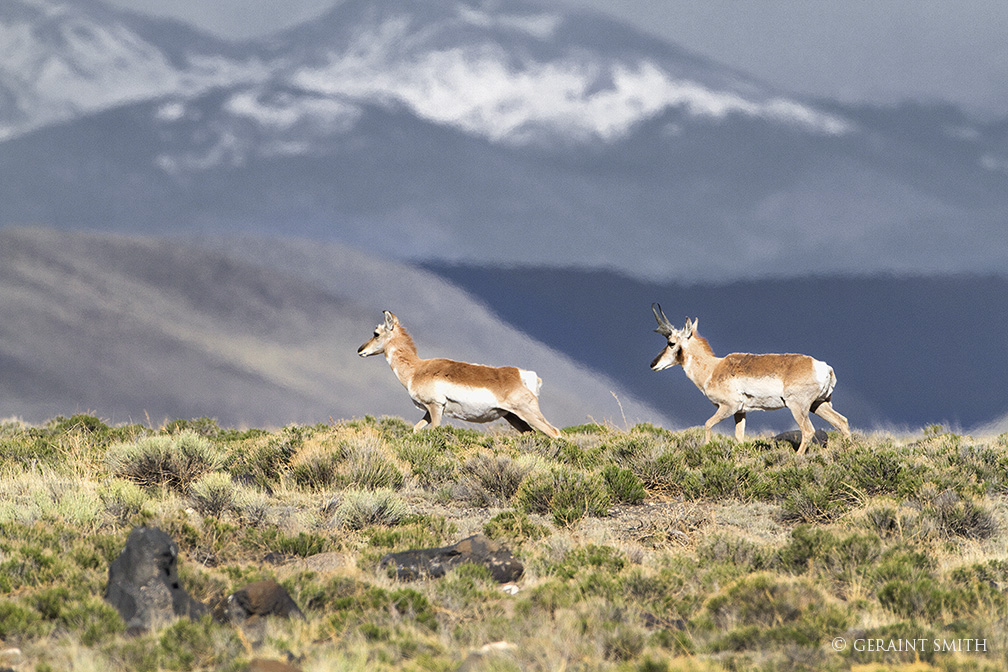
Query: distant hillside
x=907, y=351
x=249, y=332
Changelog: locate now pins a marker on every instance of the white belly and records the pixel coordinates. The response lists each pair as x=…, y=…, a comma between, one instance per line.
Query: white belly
x=472, y=404
x=760, y=394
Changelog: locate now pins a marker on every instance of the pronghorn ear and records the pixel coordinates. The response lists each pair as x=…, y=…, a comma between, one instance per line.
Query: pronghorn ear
x=688, y=329
x=390, y=321
x=696, y=321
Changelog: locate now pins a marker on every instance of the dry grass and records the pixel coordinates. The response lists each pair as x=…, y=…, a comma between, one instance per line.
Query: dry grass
x=715, y=569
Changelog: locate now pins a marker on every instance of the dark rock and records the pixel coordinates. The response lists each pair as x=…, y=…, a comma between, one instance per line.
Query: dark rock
x=143, y=583
x=262, y=598
x=434, y=562
x=794, y=438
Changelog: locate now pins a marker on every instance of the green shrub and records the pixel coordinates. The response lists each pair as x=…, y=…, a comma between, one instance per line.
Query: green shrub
x=951, y=515
x=623, y=484
x=173, y=461
x=567, y=495
x=123, y=500
x=490, y=481
x=669, y=473
x=817, y=502
x=432, y=465
x=213, y=493
x=317, y=469
x=363, y=508
x=735, y=551
x=16, y=620
x=761, y=610
x=922, y=598
x=514, y=526
x=197, y=645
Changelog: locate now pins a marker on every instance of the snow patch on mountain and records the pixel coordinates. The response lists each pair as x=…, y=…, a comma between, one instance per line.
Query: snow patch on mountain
x=489, y=90
x=475, y=90
x=542, y=26
x=253, y=121
x=286, y=112
x=58, y=62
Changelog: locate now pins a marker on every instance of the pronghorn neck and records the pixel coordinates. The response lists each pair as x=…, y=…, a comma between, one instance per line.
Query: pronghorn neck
x=698, y=360
x=401, y=354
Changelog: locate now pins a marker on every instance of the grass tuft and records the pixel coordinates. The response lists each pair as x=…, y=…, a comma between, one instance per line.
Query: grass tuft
x=359, y=509
x=172, y=461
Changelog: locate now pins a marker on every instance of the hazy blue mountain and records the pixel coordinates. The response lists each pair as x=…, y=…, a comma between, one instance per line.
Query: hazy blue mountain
x=495, y=133
x=907, y=351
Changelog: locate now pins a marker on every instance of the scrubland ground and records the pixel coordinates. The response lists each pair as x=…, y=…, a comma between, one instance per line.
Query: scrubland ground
x=644, y=549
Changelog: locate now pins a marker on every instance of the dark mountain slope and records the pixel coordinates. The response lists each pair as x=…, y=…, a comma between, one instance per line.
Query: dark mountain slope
x=908, y=351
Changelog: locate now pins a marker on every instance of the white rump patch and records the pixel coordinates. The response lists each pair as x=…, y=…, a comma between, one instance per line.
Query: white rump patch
x=531, y=381
x=823, y=373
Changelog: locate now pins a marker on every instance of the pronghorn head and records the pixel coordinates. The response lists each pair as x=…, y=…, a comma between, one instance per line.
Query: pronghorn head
x=677, y=338
x=383, y=333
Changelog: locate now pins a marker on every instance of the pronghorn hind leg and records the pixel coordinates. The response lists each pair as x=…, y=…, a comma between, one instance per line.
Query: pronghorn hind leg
x=826, y=411
x=740, y=426
x=719, y=415
x=805, y=425
x=537, y=420
x=518, y=423
x=528, y=412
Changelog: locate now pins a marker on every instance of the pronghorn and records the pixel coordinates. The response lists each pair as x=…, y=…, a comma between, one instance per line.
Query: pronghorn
x=470, y=392
x=740, y=382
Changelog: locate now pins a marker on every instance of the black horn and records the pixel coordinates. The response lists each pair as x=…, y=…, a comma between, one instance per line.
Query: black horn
x=664, y=326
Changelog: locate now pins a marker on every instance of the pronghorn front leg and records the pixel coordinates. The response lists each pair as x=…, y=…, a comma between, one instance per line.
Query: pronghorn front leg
x=740, y=426
x=722, y=412
x=423, y=422
x=431, y=417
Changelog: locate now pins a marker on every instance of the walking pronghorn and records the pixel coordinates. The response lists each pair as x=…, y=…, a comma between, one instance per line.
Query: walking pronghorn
x=470, y=392
x=740, y=382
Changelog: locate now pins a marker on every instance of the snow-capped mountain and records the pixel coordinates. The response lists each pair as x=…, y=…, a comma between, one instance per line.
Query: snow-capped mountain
x=517, y=71
x=498, y=132
x=61, y=60
x=506, y=74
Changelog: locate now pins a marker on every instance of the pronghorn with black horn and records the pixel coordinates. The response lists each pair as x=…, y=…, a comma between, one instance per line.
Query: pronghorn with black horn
x=741, y=382
x=470, y=392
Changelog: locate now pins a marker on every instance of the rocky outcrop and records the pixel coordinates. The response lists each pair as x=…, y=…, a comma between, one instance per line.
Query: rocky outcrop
x=143, y=583
x=435, y=562
x=794, y=438
x=259, y=599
